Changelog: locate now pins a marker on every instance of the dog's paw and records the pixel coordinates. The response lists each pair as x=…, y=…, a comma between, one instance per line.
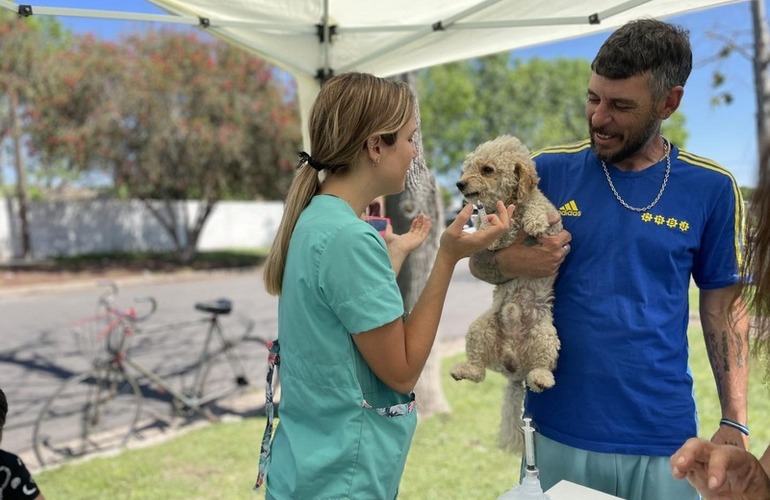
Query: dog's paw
x=540, y=379
x=467, y=371
x=534, y=227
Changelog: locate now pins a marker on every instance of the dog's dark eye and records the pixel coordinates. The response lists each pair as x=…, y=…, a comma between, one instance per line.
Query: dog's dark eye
x=486, y=169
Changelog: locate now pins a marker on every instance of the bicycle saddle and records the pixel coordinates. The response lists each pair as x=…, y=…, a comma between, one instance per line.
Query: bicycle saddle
x=219, y=306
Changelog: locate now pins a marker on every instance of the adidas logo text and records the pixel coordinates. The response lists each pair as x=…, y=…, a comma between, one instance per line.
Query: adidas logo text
x=570, y=209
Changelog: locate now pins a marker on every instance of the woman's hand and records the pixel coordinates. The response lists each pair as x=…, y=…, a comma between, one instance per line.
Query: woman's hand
x=410, y=240
x=400, y=245
x=459, y=244
x=720, y=471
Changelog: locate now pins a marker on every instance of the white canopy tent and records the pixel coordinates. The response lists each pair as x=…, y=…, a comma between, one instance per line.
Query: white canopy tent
x=313, y=39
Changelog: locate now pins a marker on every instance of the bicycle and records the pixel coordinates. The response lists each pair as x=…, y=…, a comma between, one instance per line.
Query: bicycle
x=100, y=409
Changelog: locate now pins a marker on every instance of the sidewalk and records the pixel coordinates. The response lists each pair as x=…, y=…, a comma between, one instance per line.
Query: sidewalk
x=22, y=282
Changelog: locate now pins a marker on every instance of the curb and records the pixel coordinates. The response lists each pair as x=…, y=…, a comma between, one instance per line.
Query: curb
x=82, y=283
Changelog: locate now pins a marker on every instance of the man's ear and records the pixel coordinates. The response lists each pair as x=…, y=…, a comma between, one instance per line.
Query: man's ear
x=671, y=102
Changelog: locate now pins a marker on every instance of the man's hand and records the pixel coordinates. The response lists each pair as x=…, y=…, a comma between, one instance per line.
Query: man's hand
x=534, y=259
x=728, y=435
x=525, y=257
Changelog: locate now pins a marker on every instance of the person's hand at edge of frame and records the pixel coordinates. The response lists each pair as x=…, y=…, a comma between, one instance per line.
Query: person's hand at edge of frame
x=720, y=471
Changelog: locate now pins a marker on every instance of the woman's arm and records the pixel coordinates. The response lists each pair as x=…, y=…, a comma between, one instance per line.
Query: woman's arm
x=397, y=352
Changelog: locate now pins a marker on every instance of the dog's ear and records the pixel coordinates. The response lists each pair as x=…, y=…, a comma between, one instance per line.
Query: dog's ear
x=527, y=180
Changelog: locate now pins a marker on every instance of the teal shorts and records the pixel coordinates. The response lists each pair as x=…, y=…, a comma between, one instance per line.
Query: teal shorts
x=631, y=477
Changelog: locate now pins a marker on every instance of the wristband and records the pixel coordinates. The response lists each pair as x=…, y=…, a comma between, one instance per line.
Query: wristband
x=735, y=425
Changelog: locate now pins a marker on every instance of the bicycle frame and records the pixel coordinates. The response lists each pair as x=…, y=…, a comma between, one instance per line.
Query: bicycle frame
x=99, y=408
x=194, y=397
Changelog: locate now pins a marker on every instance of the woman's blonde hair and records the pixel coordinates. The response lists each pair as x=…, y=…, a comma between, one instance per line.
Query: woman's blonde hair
x=349, y=109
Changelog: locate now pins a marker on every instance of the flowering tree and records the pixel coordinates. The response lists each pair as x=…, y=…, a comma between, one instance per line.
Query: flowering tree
x=169, y=116
x=21, y=46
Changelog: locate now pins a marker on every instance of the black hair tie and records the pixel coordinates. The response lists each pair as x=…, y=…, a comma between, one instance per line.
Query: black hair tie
x=306, y=159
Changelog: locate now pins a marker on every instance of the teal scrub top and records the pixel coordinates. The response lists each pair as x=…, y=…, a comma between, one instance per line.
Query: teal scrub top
x=342, y=433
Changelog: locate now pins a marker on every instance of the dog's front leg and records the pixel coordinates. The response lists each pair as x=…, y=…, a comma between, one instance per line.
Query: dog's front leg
x=534, y=221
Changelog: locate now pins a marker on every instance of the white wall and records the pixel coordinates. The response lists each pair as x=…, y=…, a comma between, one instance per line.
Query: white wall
x=80, y=227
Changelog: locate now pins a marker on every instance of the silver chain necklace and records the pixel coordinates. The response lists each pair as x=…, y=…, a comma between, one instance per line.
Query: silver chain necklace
x=667, y=156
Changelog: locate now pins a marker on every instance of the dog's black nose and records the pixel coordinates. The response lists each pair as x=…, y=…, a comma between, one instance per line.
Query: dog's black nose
x=461, y=185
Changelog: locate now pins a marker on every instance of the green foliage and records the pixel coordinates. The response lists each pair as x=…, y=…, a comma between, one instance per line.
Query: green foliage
x=24, y=44
x=161, y=261
x=674, y=129
x=747, y=193
x=542, y=102
x=466, y=103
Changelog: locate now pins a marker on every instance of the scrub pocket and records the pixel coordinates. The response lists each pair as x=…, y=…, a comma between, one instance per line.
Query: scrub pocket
x=386, y=436
x=397, y=410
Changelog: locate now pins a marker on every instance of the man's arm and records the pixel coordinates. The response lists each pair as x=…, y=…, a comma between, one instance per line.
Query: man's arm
x=726, y=337
x=484, y=266
x=522, y=258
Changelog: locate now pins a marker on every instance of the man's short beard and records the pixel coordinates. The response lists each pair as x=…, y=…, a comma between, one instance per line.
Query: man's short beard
x=637, y=141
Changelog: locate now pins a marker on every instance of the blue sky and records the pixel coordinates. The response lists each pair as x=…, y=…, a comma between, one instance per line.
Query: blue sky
x=726, y=134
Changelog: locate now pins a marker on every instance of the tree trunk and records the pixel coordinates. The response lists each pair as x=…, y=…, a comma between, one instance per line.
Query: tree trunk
x=761, y=61
x=420, y=196
x=21, y=184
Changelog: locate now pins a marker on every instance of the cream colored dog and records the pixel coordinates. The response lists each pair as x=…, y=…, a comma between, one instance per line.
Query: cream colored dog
x=515, y=336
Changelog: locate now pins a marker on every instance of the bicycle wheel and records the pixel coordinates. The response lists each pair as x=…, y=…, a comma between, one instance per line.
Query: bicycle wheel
x=89, y=413
x=222, y=373
x=228, y=378
x=247, y=361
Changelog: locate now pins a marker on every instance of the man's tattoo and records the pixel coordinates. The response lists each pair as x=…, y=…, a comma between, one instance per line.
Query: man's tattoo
x=712, y=345
x=711, y=342
x=725, y=352
x=739, y=343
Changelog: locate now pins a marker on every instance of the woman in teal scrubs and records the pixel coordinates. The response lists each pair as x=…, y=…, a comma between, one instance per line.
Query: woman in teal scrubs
x=348, y=358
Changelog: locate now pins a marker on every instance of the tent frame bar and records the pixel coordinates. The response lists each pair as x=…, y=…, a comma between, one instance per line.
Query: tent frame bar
x=452, y=23
x=29, y=10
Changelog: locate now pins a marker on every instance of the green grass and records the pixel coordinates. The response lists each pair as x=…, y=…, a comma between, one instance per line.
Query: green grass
x=452, y=456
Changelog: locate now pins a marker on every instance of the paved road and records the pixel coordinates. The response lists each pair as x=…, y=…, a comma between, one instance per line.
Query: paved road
x=38, y=351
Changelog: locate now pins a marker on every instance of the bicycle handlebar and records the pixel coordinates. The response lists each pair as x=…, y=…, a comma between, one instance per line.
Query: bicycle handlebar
x=153, y=307
x=108, y=298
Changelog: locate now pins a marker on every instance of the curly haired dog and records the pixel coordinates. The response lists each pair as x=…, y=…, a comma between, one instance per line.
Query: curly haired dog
x=515, y=336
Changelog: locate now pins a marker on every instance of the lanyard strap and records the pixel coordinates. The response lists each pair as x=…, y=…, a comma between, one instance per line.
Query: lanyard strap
x=273, y=362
